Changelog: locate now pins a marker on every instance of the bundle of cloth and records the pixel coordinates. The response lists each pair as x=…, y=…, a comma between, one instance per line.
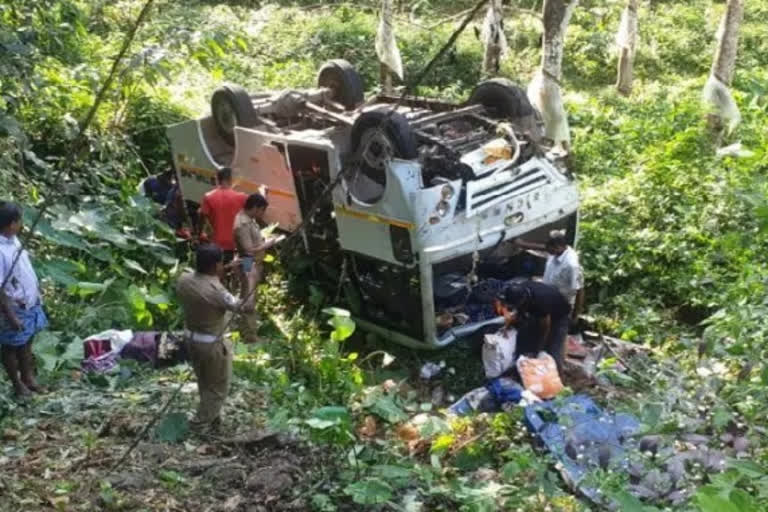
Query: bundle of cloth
x=158, y=349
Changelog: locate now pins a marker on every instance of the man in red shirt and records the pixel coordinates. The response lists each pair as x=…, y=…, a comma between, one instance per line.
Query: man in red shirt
x=220, y=206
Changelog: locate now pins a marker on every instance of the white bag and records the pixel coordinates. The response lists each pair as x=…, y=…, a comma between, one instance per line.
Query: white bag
x=385, y=44
x=499, y=352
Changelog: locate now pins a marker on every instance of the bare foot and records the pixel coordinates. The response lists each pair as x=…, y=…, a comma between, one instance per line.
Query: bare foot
x=35, y=387
x=21, y=391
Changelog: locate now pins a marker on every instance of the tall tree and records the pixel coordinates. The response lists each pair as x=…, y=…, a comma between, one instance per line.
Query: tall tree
x=544, y=90
x=626, y=42
x=716, y=92
x=494, y=40
x=386, y=47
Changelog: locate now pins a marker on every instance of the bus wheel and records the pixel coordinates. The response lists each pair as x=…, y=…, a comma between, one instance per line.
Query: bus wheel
x=344, y=81
x=231, y=106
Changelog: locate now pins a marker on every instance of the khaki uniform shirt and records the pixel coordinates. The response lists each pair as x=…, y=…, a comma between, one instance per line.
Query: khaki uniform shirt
x=248, y=236
x=206, y=303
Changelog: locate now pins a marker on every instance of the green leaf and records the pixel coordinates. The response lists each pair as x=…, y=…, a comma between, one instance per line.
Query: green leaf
x=370, y=491
x=443, y=443
x=721, y=417
x=336, y=312
x=58, y=270
x=332, y=412
x=511, y=470
x=747, y=468
x=46, y=349
x=629, y=503
x=319, y=424
x=173, y=428
x=389, y=472
x=386, y=408
x=343, y=326
x=134, y=265
x=74, y=352
x=434, y=426
x=85, y=288
x=710, y=502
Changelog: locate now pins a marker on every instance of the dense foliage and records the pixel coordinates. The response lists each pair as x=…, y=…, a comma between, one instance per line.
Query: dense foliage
x=673, y=237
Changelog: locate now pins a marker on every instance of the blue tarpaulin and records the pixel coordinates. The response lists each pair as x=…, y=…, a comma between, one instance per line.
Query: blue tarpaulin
x=583, y=437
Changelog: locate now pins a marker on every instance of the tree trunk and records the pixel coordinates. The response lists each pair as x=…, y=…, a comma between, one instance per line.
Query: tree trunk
x=386, y=48
x=494, y=41
x=716, y=93
x=728, y=42
x=385, y=76
x=626, y=41
x=544, y=90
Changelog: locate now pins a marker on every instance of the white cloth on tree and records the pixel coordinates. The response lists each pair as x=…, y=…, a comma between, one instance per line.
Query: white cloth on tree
x=386, y=46
x=492, y=31
x=544, y=94
x=626, y=37
x=719, y=98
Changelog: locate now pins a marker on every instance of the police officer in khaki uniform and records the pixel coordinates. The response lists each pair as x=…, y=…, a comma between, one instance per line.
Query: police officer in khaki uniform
x=251, y=247
x=207, y=307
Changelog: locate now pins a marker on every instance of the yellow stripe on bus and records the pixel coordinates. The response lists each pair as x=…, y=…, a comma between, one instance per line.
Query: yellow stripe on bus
x=247, y=185
x=372, y=217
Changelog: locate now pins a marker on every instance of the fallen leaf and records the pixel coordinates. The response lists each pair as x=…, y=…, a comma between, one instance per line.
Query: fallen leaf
x=232, y=503
x=59, y=502
x=388, y=385
x=204, y=449
x=10, y=434
x=408, y=432
x=418, y=446
x=368, y=428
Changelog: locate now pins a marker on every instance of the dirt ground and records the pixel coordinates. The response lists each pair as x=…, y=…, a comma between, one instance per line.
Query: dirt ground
x=60, y=452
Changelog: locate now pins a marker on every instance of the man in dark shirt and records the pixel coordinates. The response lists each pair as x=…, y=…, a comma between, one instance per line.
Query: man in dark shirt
x=157, y=187
x=542, y=313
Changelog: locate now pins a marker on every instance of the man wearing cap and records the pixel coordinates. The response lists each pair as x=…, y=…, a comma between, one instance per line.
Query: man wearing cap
x=563, y=270
x=542, y=314
x=207, y=307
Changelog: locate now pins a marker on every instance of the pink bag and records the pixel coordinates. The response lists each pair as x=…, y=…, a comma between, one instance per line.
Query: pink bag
x=95, y=348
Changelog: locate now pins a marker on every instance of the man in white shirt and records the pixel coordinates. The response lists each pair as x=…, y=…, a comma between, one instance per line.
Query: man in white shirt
x=21, y=311
x=563, y=269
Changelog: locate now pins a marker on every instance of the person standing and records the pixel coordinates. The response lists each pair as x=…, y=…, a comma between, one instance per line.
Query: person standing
x=563, y=270
x=219, y=209
x=207, y=307
x=251, y=246
x=541, y=312
x=21, y=304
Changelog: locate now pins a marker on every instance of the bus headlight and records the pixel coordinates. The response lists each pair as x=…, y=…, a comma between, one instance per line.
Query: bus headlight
x=443, y=207
x=447, y=192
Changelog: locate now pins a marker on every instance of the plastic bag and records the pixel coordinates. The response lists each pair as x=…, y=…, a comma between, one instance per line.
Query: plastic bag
x=386, y=46
x=539, y=375
x=499, y=352
x=477, y=400
x=545, y=95
x=626, y=37
x=717, y=95
x=492, y=31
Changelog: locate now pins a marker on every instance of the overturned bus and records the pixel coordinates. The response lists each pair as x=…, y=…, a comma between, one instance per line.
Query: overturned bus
x=426, y=198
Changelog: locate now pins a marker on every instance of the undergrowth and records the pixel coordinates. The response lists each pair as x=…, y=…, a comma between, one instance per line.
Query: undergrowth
x=673, y=237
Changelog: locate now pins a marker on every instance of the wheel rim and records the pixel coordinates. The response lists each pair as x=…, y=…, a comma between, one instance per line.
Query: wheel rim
x=334, y=86
x=377, y=149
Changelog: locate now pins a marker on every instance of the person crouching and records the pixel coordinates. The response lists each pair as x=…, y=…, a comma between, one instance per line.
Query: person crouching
x=541, y=312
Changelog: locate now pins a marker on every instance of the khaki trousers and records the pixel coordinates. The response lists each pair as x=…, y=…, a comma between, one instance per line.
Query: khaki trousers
x=212, y=363
x=249, y=320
